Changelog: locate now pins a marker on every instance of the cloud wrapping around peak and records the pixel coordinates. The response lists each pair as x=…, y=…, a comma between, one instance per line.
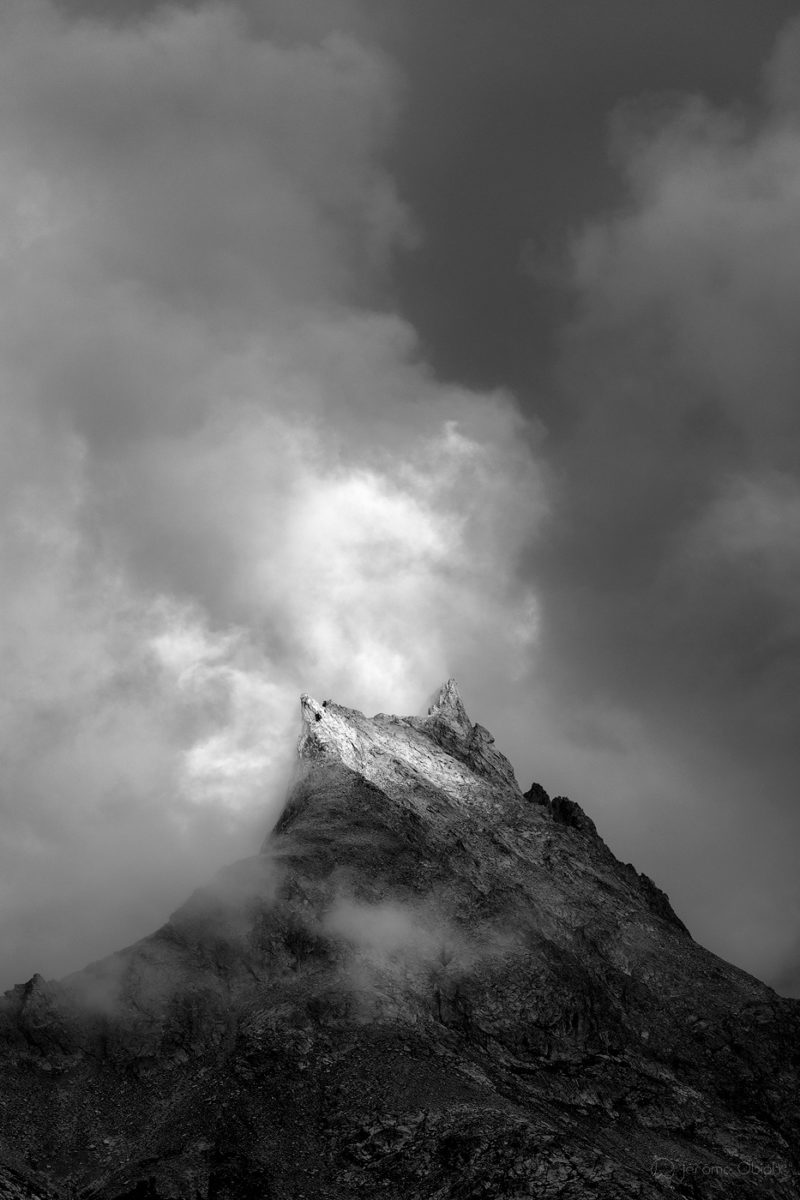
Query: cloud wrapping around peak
x=228, y=475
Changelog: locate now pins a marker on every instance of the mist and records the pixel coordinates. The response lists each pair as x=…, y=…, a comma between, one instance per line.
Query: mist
x=228, y=476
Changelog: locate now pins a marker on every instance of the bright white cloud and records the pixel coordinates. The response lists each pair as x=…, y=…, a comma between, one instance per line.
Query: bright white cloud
x=227, y=475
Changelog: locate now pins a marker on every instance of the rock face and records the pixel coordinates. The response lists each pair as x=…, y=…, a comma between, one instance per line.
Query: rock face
x=427, y=985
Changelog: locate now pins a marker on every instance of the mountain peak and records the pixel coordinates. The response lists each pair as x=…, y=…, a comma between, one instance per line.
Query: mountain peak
x=443, y=748
x=427, y=985
x=449, y=705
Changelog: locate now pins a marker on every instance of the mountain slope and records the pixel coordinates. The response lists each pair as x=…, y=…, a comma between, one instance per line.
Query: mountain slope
x=428, y=984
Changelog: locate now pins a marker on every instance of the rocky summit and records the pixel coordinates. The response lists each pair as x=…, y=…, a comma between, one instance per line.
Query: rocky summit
x=428, y=985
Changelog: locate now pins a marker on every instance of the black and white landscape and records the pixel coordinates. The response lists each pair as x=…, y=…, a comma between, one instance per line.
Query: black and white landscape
x=347, y=346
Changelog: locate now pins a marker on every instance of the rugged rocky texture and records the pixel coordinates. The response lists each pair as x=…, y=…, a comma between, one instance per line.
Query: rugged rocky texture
x=427, y=985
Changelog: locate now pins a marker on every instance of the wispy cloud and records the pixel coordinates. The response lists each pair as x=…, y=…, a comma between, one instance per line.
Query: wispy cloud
x=228, y=475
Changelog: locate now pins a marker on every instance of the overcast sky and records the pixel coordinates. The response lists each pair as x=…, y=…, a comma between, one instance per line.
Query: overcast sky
x=345, y=347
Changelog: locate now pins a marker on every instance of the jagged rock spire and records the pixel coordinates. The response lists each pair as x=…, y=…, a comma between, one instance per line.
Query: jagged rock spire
x=395, y=753
x=449, y=706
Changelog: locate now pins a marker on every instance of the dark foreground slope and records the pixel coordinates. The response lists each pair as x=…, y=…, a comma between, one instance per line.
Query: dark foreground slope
x=428, y=985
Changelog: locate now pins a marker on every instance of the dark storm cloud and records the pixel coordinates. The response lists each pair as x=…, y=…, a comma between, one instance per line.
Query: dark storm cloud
x=503, y=150
x=672, y=584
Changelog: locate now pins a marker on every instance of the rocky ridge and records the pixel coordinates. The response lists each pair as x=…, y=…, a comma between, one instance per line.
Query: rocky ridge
x=427, y=985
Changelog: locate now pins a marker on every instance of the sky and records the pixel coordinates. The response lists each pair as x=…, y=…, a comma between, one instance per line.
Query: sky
x=345, y=347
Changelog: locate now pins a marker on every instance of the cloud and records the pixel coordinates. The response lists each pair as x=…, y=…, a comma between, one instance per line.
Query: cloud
x=228, y=475
x=414, y=944
x=671, y=589
x=388, y=931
